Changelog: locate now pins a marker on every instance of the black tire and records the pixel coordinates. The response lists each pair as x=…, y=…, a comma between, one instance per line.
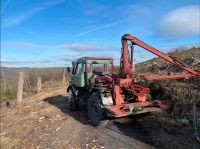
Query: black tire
x=96, y=111
x=73, y=104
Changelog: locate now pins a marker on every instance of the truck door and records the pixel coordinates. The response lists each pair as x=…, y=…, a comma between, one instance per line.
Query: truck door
x=78, y=78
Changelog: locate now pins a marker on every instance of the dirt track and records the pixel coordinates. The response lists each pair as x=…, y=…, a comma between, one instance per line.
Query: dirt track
x=46, y=122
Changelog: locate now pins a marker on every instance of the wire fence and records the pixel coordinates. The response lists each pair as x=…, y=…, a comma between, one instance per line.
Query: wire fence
x=34, y=80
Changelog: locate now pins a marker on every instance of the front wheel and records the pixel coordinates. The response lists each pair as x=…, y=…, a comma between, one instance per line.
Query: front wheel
x=96, y=111
x=73, y=103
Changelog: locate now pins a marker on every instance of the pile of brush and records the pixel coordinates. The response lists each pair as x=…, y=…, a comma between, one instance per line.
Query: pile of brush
x=180, y=94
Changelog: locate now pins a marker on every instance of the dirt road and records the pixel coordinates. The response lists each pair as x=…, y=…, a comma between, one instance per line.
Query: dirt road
x=46, y=122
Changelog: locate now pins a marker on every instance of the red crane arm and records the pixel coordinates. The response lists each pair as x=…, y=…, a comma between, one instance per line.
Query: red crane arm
x=127, y=65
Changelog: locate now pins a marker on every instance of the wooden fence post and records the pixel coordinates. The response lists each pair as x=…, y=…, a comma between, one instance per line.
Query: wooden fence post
x=4, y=79
x=20, y=87
x=63, y=80
x=39, y=84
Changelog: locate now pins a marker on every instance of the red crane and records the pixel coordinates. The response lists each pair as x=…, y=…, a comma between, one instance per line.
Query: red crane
x=117, y=94
x=124, y=84
x=127, y=65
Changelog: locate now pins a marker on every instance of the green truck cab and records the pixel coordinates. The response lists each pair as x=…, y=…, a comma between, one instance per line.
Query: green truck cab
x=84, y=68
x=83, y=71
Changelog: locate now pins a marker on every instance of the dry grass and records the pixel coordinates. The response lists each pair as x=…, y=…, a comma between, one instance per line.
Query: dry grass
x=51, y=77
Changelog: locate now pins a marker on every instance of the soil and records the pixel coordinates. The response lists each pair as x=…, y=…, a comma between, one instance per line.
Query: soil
x=45, y=121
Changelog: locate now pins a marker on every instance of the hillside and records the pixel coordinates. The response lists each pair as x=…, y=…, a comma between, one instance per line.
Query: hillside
x=190, y=57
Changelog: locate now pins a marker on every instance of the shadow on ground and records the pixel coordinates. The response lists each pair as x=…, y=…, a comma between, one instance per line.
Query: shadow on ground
x=128, y=126
x=147, y=128
x=61, y=102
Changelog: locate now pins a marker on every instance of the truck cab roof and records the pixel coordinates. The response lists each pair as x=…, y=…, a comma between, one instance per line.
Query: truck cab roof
x=95, y=59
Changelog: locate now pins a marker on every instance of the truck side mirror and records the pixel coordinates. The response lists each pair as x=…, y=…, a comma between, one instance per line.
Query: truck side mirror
x=73, y=67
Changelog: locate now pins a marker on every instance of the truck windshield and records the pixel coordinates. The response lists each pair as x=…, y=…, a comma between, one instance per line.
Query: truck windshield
x=100, y=68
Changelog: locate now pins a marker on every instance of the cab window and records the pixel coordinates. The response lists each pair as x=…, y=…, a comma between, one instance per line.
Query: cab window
x=78, y=68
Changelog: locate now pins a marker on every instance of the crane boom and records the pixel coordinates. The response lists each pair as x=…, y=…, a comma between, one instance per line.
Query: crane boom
x=127, y=65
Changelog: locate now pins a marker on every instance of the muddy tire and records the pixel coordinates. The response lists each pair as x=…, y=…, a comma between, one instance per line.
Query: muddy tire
x=96, y=111
x=73, y=104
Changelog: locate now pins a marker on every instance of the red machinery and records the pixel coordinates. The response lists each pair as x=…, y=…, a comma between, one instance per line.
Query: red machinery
x=126, y=65
x=116, y=94
x=125, y=89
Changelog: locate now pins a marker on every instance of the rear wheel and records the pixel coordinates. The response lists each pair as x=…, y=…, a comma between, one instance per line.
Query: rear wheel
x=73, y=103
x=96, y=110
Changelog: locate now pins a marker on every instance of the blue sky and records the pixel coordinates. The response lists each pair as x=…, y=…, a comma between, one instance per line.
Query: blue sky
x=52, y=33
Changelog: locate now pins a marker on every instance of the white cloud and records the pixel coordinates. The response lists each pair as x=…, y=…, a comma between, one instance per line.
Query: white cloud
x=82, y=47
x=99, y=28
x=20, y=45
x=15, y=20
x=180, y=23
x=171, y=48
x=70, y=56
x=4, y=5
x=96, y=9
x=23, y=16
x=25, y=62
x=74, y=55
x=140, y=10
x=73, y=47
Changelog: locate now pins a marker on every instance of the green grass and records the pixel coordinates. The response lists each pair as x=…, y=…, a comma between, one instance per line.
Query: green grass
x=9, y=94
